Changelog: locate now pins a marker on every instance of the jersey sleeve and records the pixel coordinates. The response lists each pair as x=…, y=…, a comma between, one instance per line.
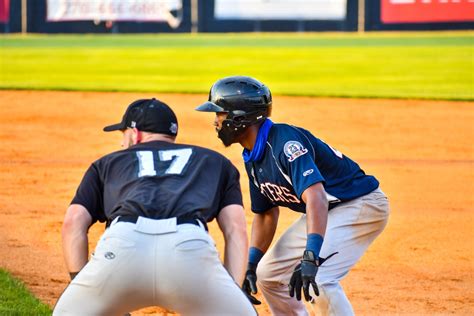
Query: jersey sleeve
x=297, y=158
x=90, y=194
x=232, y=193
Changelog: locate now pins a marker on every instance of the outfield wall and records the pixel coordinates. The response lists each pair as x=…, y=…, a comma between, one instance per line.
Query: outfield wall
x=340, y=16
x=386, y=15
x=147, y=16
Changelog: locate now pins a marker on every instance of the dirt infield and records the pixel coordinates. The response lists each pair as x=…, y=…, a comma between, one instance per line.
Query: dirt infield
x=421, y=151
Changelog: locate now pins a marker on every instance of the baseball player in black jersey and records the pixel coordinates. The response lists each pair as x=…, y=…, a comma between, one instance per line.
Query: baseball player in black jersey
x=155, y=197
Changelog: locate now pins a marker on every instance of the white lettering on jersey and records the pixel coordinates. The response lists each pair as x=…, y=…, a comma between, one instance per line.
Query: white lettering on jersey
x=146, y=165
x=293, y=150
x=278, y=193
x=293, y=199
x=179, y=159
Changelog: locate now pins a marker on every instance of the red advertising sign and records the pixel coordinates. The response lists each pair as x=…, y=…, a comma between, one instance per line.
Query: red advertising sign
x=426, y=11
x=4, y=11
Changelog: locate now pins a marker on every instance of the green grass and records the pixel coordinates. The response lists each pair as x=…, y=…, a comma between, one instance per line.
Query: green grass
x=15, y=299
x=431, y=65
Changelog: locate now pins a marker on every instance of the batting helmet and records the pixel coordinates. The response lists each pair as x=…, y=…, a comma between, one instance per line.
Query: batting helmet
x=246, y=100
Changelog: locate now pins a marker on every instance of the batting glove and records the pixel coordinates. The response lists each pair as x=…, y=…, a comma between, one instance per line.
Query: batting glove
x=250, y=284
x=304, y=275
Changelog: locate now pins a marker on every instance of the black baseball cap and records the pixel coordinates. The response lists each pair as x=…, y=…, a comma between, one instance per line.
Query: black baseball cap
x=148, y=115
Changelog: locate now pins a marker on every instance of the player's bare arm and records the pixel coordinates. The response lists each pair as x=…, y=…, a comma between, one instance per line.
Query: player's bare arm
x=316, y=209
x=74, y=234
x=263, y=229
x=316, y=221
x=231, y=221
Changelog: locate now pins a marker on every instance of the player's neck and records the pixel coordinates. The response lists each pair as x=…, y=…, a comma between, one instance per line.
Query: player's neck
x=150, y=137
x=249, y=137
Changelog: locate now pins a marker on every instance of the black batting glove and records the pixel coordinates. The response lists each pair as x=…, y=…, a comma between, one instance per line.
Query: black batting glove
x=309, y=268
x=296, y=283
x=250, y=284
x=304, y=275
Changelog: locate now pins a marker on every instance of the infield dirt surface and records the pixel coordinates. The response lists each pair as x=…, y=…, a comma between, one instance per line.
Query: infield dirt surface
x=421, y=151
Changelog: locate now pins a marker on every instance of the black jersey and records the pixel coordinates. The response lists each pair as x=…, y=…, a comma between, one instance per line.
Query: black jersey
x=159, y=180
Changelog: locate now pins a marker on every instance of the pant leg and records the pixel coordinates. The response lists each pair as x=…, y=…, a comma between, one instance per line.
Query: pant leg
x=194, y=281
x=116, y=278
x=352, y=227
x=276, y=267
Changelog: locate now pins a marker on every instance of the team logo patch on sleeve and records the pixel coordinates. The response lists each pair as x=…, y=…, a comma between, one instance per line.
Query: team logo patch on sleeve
x=293, y=150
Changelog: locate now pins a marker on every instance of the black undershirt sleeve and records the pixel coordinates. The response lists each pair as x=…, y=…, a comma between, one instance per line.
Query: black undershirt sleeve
x=231, y=192
x=90, y=194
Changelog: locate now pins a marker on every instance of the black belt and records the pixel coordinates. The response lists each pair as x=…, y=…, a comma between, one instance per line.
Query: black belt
x=179, y=220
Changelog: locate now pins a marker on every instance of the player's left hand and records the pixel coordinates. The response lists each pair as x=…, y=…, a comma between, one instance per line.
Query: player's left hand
x=296, y=283
x=309, y=268
x=303, y=276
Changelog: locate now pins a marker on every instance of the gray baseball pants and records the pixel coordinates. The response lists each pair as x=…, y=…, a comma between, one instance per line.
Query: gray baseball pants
x=154, y=263
x=351, y=228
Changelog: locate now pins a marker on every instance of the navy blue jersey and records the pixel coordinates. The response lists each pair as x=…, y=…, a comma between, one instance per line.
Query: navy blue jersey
x=293, y=161
x=159, y=180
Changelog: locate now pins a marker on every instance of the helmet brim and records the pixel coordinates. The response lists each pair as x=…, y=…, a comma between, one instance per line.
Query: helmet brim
x=210, y=107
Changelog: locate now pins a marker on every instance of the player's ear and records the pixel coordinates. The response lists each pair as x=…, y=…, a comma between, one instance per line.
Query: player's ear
x=136, y=136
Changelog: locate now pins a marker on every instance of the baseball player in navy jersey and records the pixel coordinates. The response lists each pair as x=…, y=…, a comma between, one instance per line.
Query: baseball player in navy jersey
x=343, y=209
x=156, y=197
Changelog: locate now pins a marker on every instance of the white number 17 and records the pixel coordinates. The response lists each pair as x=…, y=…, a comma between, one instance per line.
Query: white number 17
x=179, y=159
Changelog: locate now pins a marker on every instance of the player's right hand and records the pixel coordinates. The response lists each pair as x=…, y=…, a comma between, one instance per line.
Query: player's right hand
x=250, y=284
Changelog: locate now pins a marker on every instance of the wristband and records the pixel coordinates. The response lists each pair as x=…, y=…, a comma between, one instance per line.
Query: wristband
x=255, y=255
x=314, y=243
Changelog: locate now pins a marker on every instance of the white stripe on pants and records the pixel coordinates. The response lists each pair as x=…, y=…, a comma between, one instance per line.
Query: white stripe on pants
x=351, y=228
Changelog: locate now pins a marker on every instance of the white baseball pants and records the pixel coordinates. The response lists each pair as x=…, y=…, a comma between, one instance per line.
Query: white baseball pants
x=176, y=267
x=351, y=228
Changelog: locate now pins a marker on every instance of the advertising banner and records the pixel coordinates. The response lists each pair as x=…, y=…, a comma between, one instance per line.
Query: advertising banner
x=4, y=11
x=426, y=11
x=112, y=10
x=280, y=9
